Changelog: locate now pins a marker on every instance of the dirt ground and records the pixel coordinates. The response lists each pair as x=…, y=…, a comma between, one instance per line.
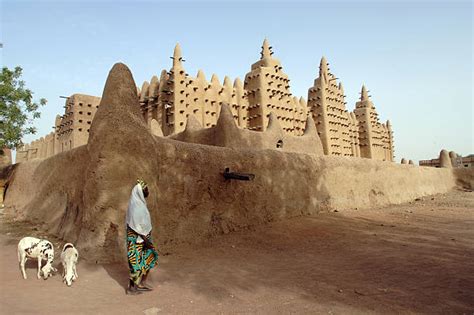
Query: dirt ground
x=412, y=258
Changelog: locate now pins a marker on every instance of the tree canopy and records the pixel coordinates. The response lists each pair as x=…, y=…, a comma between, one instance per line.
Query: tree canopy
x=17, y=109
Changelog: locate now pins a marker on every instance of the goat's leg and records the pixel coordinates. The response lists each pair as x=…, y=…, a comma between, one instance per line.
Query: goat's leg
x=22, y=265
x=39, y=268
x=75, y=272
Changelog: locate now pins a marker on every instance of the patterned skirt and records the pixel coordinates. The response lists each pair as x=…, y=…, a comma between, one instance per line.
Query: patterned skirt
x=141, y=257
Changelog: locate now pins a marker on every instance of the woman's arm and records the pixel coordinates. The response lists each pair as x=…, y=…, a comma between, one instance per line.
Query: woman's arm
x=147, y=240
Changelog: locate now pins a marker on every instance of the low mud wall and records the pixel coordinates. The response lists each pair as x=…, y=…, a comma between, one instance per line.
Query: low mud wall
x=191, y=201
x=464, y=177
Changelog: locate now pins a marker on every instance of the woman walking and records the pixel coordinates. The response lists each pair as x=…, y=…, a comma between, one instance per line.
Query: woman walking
x=142, y=255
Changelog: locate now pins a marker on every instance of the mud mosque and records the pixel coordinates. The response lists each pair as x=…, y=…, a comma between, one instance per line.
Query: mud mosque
x=219, y=158
x=170, y=101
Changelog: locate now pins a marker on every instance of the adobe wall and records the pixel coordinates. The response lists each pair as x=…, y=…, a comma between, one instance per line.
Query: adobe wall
x=227, y=134
x=81, y=195
x=191, y=201
x=464, y=177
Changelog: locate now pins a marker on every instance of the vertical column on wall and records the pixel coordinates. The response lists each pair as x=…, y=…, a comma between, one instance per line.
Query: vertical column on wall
x=318, y=107
x=163, y=96
x=207, y=94
x=51, y=143
x=152, y=102
x=226, y=94
x=194, y=98
x=180, y=98
x=31, y=151
x=57, y=127
x=234, y=103
x=62, y=132
x=190, y=99
x=39, y=148
x=251, y=85
x=301, y=112
x=200, y=87
x=344, y=125
x=293, y=122
x=75, y=138
x=26, y=149
x=143, y=100
x=288, y=117
x=213, y=99
x=43, y=148
x=175, y=100
x=377, y=136
x=75, y=121
x=362, y=112
x=63, y=129
x=242, y=103
x=354, y=131
x=391, y=147
x=296, y=116
x=386, y=143
x=47, y=145
x=258, y=90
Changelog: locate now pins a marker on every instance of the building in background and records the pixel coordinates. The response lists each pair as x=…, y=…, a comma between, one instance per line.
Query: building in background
x=168, y=102
x=456, y=161
x=70, y=130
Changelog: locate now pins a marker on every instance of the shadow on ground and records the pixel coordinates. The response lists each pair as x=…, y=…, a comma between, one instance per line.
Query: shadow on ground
x=425, y=264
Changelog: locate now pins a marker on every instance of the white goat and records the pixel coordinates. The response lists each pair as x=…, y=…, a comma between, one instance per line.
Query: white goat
x=69, y=257
x=31, y=247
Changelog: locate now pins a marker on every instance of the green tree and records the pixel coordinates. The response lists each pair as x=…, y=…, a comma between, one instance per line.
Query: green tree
x=17, y=109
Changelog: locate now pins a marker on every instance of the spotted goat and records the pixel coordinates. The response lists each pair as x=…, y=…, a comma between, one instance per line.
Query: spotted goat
x=31, y=247
x=69, y=257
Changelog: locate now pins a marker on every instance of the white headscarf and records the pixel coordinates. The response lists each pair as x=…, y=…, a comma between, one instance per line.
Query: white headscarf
x=138, y=216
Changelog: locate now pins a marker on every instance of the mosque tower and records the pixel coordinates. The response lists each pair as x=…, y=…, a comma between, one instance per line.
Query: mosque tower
x=336, y=126
x=268, y=90
x=376, y=139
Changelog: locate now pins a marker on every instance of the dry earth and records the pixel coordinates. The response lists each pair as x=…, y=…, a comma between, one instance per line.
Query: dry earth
x=411, y=258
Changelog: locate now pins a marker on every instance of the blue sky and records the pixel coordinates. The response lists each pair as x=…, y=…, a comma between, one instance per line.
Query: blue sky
x=414, y=57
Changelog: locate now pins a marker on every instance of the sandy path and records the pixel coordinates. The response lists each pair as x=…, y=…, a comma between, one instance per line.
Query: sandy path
x=412, y=258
